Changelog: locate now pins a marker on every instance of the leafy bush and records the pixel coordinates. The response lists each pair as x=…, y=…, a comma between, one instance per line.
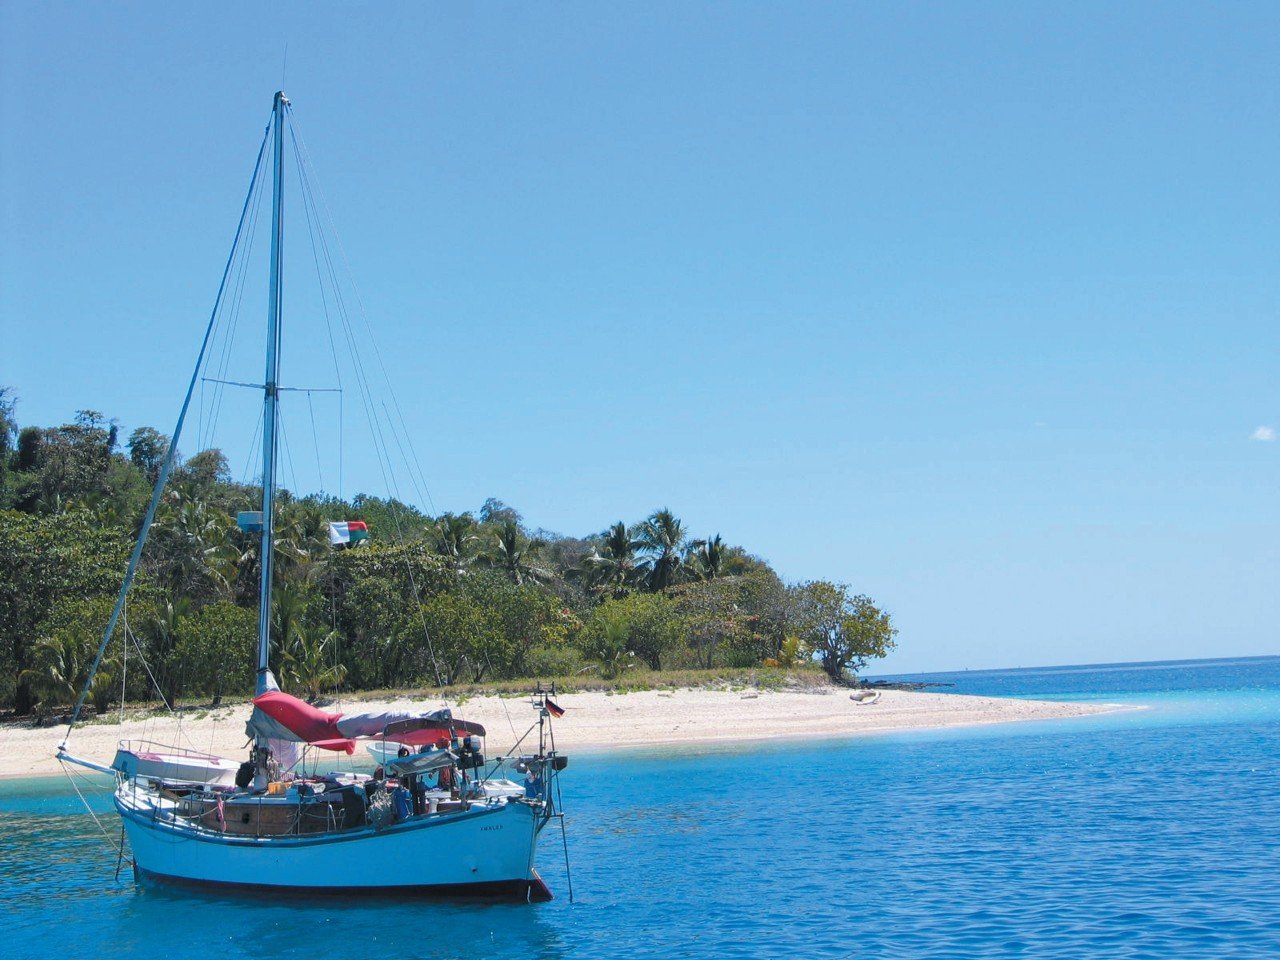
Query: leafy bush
x=554, y=660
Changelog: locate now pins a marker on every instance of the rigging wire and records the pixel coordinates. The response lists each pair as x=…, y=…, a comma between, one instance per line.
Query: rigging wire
x=130, y=635
x=365, y=319
x=74, y=778
x=312, y=228
x=167, y=466
x=237, y=299
x=305, y=164
x=408, y=443
x=288, y=455
x=229, y=318
x=381, y=449
x=564, y=837
x=503, y=701
x=124, y=673
x=315, y=441
x=254, y=448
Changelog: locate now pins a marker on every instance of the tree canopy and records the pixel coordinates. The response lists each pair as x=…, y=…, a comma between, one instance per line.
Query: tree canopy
x=427, y=600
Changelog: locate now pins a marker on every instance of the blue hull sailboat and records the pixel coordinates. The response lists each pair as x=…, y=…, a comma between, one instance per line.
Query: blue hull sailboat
x=435, y=816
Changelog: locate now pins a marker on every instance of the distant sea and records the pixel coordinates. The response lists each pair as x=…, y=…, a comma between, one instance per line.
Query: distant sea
x=1145, y=833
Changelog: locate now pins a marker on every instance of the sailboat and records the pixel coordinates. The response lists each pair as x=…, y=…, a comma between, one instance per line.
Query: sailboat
x=435, y=816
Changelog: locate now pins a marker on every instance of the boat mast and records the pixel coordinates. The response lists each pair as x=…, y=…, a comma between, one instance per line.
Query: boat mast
x=270, y=414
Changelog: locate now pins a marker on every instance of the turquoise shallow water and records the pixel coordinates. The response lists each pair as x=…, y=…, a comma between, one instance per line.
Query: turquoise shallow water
x=1147, y=833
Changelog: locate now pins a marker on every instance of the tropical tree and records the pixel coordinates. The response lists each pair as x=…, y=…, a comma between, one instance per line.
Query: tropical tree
x=649, y=626
x=454, y=538
x=60, y=669
x=706, y=558
x=514, y=554
x=65, y=464
x=467, y=636
x=8, y=424
x=44, y=559
x=62, y=658
x=735, y=621
x=296, y=539
x=494, y=510
x=291, y=605
x=605, y=641
x=716, y=625
x=389, y=519
x=309, y=661
x=192, y=548
x=614, y=570
x=521, y=618
x=8, y=438
x=565, y=556
x=843, y=631
x=662, y=536
x=204, y=471
x=162, y=629
x=124, y=499
x=789, y=654
x=215, y=649
x=147, y=449
x=376, y=597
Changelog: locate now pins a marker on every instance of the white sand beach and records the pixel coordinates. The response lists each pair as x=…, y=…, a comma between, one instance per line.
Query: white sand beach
x=593, y=720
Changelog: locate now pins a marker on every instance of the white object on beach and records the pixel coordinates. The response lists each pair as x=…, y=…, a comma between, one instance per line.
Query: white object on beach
x=865, y=698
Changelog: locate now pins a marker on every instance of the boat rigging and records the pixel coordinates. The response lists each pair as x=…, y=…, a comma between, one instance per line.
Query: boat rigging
x=436, y=815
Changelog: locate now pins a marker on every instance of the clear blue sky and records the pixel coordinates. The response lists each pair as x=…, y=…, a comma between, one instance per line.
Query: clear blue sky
x=970, y=305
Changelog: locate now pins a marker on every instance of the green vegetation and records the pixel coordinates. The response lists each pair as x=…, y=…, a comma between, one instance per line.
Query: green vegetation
x=454, y=601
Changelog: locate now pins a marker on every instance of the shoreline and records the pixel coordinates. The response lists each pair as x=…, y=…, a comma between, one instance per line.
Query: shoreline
x=594, y=722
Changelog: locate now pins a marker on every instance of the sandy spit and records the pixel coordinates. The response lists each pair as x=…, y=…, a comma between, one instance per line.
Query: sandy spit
x=593, y=720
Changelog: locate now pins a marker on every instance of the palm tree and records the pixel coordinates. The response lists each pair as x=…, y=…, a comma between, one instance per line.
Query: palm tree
x=515, y=554
x=164, y=639
x=706, y=557
x=608, y=645
x=289, y=602
x=614, y=569
x=662, y=536
x=308, y=664
x=195, y=545
x=60, y=667
x=454, y=538
x=293, y=545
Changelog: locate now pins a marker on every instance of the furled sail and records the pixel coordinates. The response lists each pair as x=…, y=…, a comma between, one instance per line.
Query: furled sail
x=417, y=729
x=280, y=716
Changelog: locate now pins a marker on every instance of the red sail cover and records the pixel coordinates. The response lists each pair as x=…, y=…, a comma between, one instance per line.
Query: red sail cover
x=310, y=724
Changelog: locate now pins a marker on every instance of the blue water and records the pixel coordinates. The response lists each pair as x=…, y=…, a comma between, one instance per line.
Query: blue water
x=1144, y=833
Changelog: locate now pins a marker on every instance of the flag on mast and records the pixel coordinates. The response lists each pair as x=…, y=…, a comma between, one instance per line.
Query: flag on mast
x=348, y=532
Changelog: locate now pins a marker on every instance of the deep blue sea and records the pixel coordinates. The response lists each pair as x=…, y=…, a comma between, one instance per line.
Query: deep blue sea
x=1145, y=833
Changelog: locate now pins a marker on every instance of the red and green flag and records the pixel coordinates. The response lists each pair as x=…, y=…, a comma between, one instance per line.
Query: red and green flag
x=348, y=532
